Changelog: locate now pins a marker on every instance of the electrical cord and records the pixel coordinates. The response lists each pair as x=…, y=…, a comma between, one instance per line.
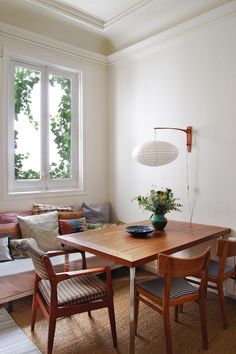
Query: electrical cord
x=190, y=208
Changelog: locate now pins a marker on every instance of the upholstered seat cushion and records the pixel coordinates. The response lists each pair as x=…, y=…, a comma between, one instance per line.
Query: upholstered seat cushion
x=214, y=267
x=179, y=287
x=79, y=290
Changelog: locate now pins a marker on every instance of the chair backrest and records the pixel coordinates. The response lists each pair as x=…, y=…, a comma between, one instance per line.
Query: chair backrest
x=226, y=248
x=37, y=258
x=174, y=267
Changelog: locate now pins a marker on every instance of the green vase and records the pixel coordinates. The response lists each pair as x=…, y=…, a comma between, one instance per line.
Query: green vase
x=158, y=221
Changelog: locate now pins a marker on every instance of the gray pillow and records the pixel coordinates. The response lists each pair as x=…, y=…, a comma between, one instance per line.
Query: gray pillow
x=5, y=252
x=98, y=213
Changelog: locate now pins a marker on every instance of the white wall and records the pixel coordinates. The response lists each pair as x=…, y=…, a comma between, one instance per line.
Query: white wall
x=190, y=80
x=95, y=121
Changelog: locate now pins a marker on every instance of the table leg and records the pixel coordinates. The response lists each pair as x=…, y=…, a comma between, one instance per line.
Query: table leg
x=131, y=313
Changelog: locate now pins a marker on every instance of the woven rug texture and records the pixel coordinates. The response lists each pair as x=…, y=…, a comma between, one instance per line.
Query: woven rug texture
x=82, y=334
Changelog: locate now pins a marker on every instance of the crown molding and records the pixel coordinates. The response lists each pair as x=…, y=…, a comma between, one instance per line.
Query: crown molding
x=122, y=14
x=71, y=12
x=179, y=31
x=84, y=17
x=16, y=33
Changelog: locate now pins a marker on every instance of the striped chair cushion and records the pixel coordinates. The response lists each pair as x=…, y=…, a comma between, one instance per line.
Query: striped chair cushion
x=179, y=287
x=214, y=267
x=79, y=290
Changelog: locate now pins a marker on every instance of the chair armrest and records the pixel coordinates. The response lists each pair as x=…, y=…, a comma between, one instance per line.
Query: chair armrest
x=56, y=253
x=77, y=273
x=62, y=252
x=66, y=253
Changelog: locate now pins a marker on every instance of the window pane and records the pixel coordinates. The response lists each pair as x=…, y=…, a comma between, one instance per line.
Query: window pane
x=60, y=127
x=27, y=123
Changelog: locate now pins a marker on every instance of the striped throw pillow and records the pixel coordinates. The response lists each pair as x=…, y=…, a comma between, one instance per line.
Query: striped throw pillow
x=46, y=208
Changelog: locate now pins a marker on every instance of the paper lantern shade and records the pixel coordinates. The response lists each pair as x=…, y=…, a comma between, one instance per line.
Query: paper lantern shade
x=155, y=153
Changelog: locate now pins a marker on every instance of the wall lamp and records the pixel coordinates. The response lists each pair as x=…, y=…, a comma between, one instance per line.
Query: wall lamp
x=158, y=153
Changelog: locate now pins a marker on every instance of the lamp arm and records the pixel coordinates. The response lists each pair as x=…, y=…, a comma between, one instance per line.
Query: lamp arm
x=188, y=131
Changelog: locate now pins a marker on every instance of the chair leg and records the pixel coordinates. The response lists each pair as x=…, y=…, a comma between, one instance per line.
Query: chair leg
x=222, y=304
x=176, y=313
x=166, y=317
x=202, y=309
x=89, y=313
x=181, y=308
x=136, y=310
x=112, y=322
x=51, y=333
x=10, y=306
x=34, y=312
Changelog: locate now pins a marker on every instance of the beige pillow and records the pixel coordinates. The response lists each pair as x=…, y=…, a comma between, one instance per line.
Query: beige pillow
x=43, y=228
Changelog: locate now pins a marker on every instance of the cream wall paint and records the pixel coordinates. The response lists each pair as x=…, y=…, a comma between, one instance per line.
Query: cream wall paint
x=187, y=81
x=95, y=125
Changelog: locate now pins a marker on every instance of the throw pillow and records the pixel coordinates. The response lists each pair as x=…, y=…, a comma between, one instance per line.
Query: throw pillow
x=11, y=217
x=70, y=214
x=12, y=230
x=43, y=228
x=5, y=253
x=45, y=208
x=98, y=213
x=19, y=248
x=72, y=225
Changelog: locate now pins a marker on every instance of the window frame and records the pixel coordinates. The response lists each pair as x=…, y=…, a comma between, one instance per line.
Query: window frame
x=46, y=184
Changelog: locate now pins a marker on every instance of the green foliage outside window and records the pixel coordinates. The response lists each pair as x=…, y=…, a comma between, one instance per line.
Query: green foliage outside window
x=24, y=82
x=60, y=124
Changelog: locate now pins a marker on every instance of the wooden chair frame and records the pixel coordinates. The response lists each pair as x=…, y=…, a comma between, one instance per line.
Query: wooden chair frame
x=225, y=248
x=53, y=311
x=172, y=267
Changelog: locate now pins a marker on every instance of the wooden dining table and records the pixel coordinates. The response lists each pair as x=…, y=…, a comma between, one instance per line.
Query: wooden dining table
x=116, y=244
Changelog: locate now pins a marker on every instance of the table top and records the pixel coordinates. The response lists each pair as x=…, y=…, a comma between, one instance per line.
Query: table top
x=117, y=245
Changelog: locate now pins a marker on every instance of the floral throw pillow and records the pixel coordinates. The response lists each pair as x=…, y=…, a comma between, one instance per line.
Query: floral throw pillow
x=19, y=248
x=71, y=226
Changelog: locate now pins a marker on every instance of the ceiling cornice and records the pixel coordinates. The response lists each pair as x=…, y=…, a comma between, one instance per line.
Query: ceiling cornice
x=152, y=43
x=125, y=13
x=16, y=33
x=71, y=13
x=83, y=17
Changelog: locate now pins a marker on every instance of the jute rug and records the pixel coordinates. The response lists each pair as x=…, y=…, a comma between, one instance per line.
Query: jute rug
x=81, y=334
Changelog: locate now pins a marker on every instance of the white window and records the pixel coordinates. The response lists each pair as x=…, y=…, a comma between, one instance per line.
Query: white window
x=44, y=129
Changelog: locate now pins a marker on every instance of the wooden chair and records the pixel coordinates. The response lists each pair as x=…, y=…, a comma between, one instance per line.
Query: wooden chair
x=219, y=271
x=173, y=290
x=68, y=293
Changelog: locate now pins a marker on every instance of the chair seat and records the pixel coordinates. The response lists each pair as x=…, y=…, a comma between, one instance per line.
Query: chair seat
x=179, y=287
x=75, y=291
x=214, y=267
